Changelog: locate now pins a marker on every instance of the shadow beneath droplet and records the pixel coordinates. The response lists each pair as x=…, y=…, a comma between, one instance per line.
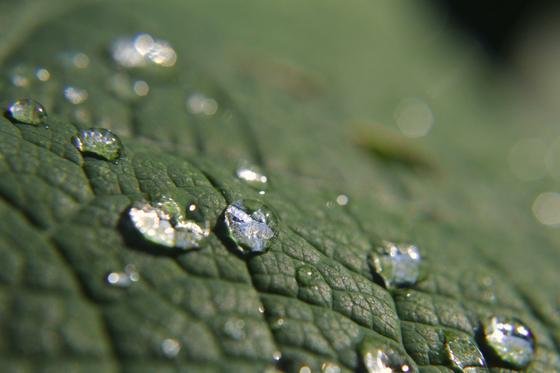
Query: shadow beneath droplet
x=221, y=231
x=491, y=358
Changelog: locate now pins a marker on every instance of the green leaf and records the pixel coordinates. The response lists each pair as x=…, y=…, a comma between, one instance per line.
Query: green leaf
x=302, y=91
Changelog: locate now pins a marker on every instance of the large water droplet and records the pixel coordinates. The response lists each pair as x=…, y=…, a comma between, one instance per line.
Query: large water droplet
x=463, y=353
x=142, y=50
x=28, y=111
x=380, y=358
x=197, y=103
x=100, y=142
x=253, y=176
x=398, y=265
x=250, y=225
x=510, y=340
x=163, y=222
x=170, y=347
x=123, y=279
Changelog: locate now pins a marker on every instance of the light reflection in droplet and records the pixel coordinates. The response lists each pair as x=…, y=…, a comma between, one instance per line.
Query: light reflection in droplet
x=304, y=369
x=527, y=159
x=342, y=199
x=123, y=279
x=414, y=117
x=546, y=208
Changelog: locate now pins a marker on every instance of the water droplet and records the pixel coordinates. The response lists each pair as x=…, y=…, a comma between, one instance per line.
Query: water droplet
x=197, y=103
x=261, y=309
x=253, y=176
x=77, y=60
x=42, y=74
x=123, y=279
x=250, y=225
x=162, y=222
x=141, y=88
x=21, y=76
x=100, y=142
x=277, y=323
x=276, y=355
x=329, y=367
x=75, y=95
x=380, y=358
x=142, y=50
x=546, y=208
x=28, y=111
x=342, y=199
x=235, y=328
x=463, y=352
x=304, y=369
x=414, y=117
x=307, y=275
x=398, y=265
x=510, y=340
x=170, y=347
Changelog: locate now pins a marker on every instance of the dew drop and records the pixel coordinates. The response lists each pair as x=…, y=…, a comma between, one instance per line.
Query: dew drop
x=197, y=103
x=277, y=323
x=380, y=358
x=170, y=347
x=304, y=369
x=100, y=142
x=546, y=208
x=307, y=275
x=329, y=367
x=398, y=265
x=141, y=88
x=142, y=50
x=250, y=225
x=27, y=111
x=42, y=74
x=21, y=76
x=163, y=222
x=253, y=176
x=414, y=117
x=510, y=340
x=276, y=355
x=123, y=279
x=75, y=95
x=235, y=328
x=342, y=199
x=463, y=353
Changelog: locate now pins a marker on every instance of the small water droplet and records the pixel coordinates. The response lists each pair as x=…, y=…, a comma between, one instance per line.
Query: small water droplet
x=253, y=176
x=276, y=355
x=42, y=74
x=277, y=323
x=380, y=358
x=197, y=103
x=100, y=142
x=162, y=222
x=170, y=347
x=398, y=265
x=250, y=225
x=21, y=76
x=123, y=279
x=142, y=50
x=510, y=340
x=141, y=88
x=414, y=117
x=342, y=199
x=329, y=367
x=307, y=275
x=235, y=328
x=77, y=60
x=28, y=111
x=463, y=352
x=75, y=95
x=261, y=309
x=546, y=208
x=304, y=369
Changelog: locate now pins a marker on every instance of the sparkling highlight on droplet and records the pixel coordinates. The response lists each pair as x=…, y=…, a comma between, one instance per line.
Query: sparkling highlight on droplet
x=100, y=142
x=397, y=264
x=510, y=340
x=27, y=111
